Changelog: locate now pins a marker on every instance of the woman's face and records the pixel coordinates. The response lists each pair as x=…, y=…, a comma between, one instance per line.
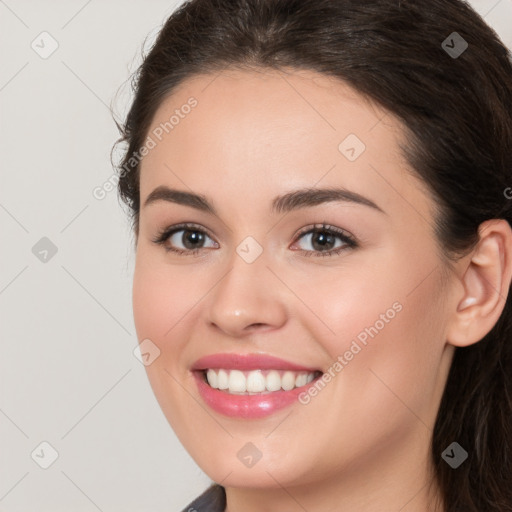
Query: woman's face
x=360, y=300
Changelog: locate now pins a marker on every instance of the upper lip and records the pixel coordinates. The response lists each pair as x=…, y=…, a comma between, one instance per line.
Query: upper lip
x=229, y=361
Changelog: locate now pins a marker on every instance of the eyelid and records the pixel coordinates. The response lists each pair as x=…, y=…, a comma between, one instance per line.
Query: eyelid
x=182, y=226
x=323, y=226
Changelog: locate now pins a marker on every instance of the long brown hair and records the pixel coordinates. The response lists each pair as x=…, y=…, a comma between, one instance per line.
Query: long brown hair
x=455, y=103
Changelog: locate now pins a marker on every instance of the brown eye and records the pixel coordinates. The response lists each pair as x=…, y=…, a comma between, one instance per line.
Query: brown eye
x=185, y=239
x=191, y=239
x=325, y=241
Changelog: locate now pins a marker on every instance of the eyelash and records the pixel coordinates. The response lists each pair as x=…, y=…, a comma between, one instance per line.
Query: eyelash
x=349, y=242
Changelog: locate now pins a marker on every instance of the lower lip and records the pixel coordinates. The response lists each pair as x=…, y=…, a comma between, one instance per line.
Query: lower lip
x=246, y=406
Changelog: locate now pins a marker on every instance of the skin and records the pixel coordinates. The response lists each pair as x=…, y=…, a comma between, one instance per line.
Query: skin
x=364, y=439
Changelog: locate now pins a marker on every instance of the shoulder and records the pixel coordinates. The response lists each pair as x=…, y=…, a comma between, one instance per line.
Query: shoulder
x=212, y=500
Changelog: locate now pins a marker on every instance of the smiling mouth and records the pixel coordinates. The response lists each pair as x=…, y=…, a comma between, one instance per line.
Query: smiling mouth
x=257, y=382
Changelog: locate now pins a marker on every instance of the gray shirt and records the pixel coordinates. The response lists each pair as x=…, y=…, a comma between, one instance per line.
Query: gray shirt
x=212, y=500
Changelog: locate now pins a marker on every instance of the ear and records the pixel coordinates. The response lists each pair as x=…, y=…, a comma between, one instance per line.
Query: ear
x=486, y=281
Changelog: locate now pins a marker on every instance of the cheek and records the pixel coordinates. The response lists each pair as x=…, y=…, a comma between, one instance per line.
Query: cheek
x=387, y=326
x=163, y=297
x=152, y=304
x=163, y=307
x=397, y=370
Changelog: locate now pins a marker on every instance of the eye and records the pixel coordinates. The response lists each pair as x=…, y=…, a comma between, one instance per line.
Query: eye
x=191, y=237
x=326, y=240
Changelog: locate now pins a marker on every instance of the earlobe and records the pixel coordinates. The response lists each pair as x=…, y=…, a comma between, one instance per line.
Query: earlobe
x=486, y=281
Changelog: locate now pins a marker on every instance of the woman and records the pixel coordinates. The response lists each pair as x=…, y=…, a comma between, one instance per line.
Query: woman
x=320, y=195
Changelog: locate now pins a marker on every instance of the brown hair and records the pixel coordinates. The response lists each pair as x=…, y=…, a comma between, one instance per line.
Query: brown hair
x=456, y=110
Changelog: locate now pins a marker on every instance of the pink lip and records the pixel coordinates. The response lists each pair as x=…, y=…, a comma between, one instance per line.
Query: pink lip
x=247, y=362
x=246, y=406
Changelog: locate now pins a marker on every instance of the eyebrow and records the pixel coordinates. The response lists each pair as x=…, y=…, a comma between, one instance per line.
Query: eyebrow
x=294, y=200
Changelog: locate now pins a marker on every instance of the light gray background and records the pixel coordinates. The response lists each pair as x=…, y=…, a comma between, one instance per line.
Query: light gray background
x=68, y=375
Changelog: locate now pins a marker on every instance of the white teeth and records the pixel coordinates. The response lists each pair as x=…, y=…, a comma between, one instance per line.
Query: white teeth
x=301, y=380
x=257, y=381
x=273, y=381
x=288, y=381
x=237, y=382
x=222, y=379
x=212, y=378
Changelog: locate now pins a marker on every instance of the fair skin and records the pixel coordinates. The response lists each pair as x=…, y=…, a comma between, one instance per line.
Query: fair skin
x=363, y=441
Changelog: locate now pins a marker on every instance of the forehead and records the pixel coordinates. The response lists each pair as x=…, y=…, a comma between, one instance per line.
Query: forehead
x=270, y=107
x=245, y=132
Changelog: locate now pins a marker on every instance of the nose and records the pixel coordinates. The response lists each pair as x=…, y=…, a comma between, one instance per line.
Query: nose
x=247, y=299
